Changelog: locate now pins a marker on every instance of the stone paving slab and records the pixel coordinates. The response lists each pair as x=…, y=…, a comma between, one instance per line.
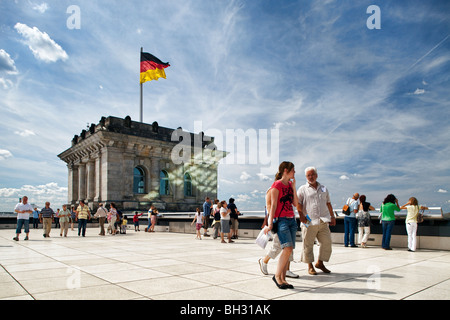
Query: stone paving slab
x=176, y=266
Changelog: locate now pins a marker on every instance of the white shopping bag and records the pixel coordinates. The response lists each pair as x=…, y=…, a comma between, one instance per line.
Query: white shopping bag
x=263, y=239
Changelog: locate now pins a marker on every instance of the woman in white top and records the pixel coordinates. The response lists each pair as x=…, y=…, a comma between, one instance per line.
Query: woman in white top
x=225, y=221
x=113, y=218
x=412, y=206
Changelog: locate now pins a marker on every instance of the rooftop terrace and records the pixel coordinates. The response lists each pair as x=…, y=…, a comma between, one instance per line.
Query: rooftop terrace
x=173, y=266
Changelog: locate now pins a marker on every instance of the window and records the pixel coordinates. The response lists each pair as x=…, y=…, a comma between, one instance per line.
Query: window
x=138, y=180
x=163, y=183
x=187, y=185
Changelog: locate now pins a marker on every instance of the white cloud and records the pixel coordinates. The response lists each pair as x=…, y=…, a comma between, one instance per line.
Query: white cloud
x=43, y=47
x=262, y=176
x=4, y=154
x=40, y=7
x=6, y=63
x=442, y=191
x=344, y=177
x=5, y=83
x=37, y=195
x=419, y=91
x=25, y=133
x=245, y=176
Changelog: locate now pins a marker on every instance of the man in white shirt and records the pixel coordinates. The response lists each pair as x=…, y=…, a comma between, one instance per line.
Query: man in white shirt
x=23, y=210
x=314, y=201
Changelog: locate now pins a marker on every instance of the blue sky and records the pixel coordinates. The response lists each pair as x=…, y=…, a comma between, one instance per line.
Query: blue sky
x=368, y=107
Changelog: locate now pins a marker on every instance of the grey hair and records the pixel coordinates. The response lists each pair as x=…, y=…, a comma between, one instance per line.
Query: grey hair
x=309, y=169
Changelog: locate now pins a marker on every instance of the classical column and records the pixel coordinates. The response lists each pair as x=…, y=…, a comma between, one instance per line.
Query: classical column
x=82, y=181
x=90, y=181
x=72, y=183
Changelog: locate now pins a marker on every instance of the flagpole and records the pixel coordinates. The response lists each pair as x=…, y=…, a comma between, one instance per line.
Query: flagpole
x=142, y=107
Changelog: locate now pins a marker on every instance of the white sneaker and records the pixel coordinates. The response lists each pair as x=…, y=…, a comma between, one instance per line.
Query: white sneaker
x=263, y=266
x=290, y=274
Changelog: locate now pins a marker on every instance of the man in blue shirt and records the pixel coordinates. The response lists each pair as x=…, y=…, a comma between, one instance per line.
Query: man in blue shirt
x=206, y=213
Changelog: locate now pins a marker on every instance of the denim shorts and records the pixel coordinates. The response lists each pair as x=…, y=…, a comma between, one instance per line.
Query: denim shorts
x=287, y=228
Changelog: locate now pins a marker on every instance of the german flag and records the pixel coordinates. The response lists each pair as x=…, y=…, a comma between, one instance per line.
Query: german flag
x=152, y=68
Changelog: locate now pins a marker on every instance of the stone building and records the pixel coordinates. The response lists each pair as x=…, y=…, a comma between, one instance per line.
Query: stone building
x=136, y=165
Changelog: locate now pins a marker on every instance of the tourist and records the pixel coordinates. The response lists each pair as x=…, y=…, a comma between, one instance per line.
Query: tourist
x=314, y=201
x=64, y=218
x=35, y=218
x=364, y=222
x=282, y=198
x=412, y=207
x=234, y=214
x=350, y=222
x=112, y=217
x=136, y=221
x=23, y=210
x=73, y=216
x=149, y=215
x=216, y=223
x=154, y=215
x=57, y=218
x=198, y=218
x=387, y=211
x=83, y=215
x=101, y=215
x=225, y=222
x=206, y=213
x=276, y=249
x=46, y=217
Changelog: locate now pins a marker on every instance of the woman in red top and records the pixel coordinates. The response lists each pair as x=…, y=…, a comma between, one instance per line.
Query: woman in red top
x=283, y=197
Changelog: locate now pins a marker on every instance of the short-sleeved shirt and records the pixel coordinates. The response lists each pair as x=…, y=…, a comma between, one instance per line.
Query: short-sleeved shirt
x=47, y=213
x=285, y=200
x=23, y=207
x=314, y=202
x=83, y=212
x=206, y=209
x=413, y=212
x=225, y=216
x=388, y=211
x=233, y=208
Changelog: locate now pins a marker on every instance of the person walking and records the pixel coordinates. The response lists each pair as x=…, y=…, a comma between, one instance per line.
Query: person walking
x=101, y=215
x=73, y=216
x=387, y=211
x=225, y=222
x=83, y=215
x=234, y=216
x=23, y=210
x=112, y=217
x=216, y=224
x=46, y=217
x=64, y=218
x=314, y=202
x=198, y=223
x=36, y=218
x=364, y=222
x=412, y=207
x=276, y=249
x=350, y=222
x=206, y=213
x=283, y=198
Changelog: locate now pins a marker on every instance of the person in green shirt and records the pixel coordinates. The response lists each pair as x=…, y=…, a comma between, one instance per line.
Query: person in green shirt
x=387, y=209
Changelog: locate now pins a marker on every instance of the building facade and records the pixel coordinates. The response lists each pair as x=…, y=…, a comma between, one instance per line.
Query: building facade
x=136, y=165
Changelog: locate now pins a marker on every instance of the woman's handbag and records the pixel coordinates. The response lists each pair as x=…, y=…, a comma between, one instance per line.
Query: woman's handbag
x=420, y=216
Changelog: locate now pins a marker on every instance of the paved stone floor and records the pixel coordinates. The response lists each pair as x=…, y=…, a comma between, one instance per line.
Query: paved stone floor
x=173, y=266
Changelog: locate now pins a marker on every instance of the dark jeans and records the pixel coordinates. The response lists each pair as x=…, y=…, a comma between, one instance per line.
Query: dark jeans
x=349, y=231
x=82, y=226
x=22, y=223
x=387, y=232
